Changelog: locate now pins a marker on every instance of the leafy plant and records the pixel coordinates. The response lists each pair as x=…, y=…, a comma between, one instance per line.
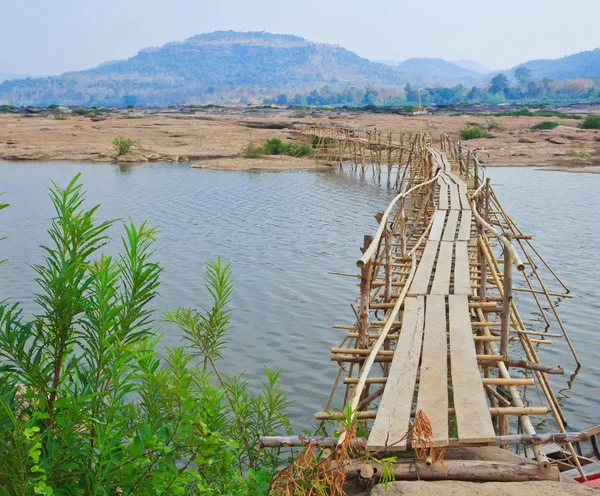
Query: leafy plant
x=88, y=406
x=122, y=145
x=252, y=151
x=472, y=132
x=59, y=116
x=591, y=122
x=493, y=124
x=545, y=125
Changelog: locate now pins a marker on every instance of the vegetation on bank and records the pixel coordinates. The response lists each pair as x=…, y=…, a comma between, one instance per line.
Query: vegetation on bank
x=591, y=122
x=545, y=125
x=473, y=132
x=275, y=146
x=89, y=406
x=122, y=145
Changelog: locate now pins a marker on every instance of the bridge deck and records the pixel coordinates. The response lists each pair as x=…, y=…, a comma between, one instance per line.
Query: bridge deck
x=436, y=339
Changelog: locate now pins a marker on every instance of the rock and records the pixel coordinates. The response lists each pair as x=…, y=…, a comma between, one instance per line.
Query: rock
x=556, y=141
x=152, y=157
x=98, y=118
x=131, y=157
x=455, y=488
x=526, y=140
x=45, y=129
x=184, y=159
x=265, y=124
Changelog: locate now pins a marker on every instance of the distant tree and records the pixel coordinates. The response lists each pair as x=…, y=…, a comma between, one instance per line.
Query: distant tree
x=499, y=83
x=523, y=75
x=282, y=99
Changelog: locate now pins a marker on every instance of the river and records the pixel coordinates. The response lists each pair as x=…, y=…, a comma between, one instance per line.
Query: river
x=282, y=232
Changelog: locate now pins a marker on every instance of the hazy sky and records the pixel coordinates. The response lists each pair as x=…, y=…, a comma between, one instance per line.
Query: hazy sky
x=54, y=36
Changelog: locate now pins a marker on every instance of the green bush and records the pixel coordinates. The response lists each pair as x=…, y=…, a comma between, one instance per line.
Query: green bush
x=122, y=145
x=252, y=151
x=591, y=122
x=493, y=124
x=472, y=132
x=275, y=146
x=53, y=106
x=545, y=125
x=59, y=116
x=80, y=111
x=556, y=113
x=89, y=406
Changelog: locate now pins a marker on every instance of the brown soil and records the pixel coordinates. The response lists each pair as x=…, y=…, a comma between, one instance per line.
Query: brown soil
x=214, y=140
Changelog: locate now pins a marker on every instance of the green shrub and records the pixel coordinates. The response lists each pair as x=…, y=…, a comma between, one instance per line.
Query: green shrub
x=458, y=114
x=88, y=405
x=556, y=113
x=545, y=125
x=130, y=116
x=296, y=150
x=300, y=115
x=59, y=116
x=591, y=122
x=122, y=145
x=472, y=132
x=53, y=106
x=493, y=124
x=5, y=108
x=252, y=151
x=80, y=111
x=275, y=146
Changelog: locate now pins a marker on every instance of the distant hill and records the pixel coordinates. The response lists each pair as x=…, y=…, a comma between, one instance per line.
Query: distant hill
x=227, y=66
x=220, y=66
x=580, y=65
x=441, y=69
x=472, y=65
x=5, y=76
x=437, y=70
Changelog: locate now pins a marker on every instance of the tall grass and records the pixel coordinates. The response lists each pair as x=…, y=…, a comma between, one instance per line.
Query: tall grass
x=591, y=122
x=88, y=403
x=472, y=132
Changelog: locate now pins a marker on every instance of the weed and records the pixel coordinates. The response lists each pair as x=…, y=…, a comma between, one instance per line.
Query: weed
x=473, y=132
x=545, y=125
x=122, y=145
x=591, y=122
x=59, y=116
x=493, y=124
x=252, y=151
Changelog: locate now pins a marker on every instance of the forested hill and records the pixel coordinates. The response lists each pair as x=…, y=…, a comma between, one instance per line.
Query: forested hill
x=224, y=66
x=579, y=65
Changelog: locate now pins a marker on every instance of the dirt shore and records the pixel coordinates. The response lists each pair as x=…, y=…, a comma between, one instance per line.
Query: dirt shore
x=213, y=138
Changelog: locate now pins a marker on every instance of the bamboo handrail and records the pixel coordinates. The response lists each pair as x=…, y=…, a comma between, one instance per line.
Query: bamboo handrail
x=369, y=252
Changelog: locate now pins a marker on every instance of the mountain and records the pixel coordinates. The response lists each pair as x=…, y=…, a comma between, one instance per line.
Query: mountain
x=441, y=69
x=227, y=66
x=4, y=76
x=216, y=67
x=472, y=65
x=580, y=65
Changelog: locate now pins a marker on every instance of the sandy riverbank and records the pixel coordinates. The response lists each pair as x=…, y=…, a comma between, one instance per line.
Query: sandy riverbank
x=213, y=138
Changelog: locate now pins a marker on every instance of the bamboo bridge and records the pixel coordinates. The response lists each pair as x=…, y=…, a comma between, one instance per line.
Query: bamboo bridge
x=437, y=332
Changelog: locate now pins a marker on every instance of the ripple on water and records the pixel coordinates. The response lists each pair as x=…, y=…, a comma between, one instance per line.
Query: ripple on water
x=282, y=232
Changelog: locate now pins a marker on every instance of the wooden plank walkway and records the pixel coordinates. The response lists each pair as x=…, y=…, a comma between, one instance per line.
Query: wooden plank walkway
x=436, y=323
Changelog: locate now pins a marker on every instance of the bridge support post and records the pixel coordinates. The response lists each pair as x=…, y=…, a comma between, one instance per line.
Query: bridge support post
x=506, y=300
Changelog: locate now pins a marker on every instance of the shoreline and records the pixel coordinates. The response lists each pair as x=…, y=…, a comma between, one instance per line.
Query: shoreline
x=213, y=138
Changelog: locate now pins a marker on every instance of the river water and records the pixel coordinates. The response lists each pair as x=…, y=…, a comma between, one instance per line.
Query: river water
x=282, y=232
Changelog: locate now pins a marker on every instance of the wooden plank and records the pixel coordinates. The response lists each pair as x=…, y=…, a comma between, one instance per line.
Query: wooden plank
x=393, y=414
x=441, y=279
x=451, y=225
x=433, y=387
x=462, y=193
x=473, y=418
x=462, y=277
x=435, y=233
x=454, y=198
x=464, y=231
x=443, y=201
x=420, y=283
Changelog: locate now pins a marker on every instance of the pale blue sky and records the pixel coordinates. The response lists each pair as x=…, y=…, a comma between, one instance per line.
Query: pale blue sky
x=54, y=36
